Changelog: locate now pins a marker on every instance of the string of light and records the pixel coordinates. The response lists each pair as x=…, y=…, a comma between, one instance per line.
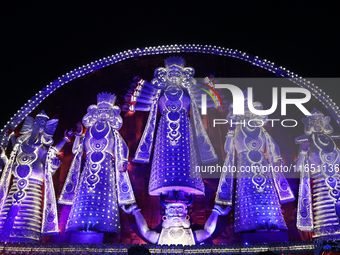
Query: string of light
x=169, y=49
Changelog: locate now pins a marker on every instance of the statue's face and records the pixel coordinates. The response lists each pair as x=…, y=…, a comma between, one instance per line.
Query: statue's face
x=104, y=113
x=176, y=215
x=39, y=124
x=174, y=76
x=248, y=115
x=316, y=123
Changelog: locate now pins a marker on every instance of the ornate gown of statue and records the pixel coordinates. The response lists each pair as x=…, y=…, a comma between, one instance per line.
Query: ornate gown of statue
x=104, y=183
x=175, y=155
x=180, y=147
x=319, y=160
x=32, y=162
x=259, y=191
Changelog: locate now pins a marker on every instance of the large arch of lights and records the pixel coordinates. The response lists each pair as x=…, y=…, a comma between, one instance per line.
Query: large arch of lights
x=280, y=71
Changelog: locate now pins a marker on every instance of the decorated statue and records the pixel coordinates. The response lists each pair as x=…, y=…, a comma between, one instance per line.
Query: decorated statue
x=174, y=92
x=176, y=224
x=33, y=161
x=3, y=159
x=319, y=160
x=104, y=183
x=175, y=156
x=259, y=189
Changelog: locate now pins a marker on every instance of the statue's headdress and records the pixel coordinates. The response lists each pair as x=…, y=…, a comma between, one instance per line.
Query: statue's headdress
x=106, y=99
x=174, y=61
x=316, y=112
x=176, y=198
x=236, y=117
x=42, y=114
x=171, y=63
x=326, y=119
x=47, y=135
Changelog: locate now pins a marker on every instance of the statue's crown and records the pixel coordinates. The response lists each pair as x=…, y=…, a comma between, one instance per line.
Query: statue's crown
x=106, y=98
x=42, y=114
x=316, y=112
x=177, y=61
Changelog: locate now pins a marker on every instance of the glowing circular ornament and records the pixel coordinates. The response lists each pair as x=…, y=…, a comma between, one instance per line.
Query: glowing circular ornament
x=254, y=156
x=253, y=144
x=173, y=116
x=328, y=157
x=335, y=194
x=19, y=195
x=283, y=185
x=97, y=156
x=331, y=182
x=92, y=179
x=125, y=187
x=173, y=106
x=23, y=171
x=22, y=183
x=324, y=142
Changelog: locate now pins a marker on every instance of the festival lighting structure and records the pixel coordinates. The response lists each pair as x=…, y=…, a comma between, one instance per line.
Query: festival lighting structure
x=279, y=71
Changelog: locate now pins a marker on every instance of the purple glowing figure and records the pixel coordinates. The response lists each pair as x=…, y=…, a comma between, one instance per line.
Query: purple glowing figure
x=33, y=161
x=173, y=91
x=318, y=164
x=104, y=183
x=259, y=190
x=176, y=225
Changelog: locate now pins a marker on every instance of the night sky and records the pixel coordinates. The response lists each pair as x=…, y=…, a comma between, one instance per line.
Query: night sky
x=42, y=40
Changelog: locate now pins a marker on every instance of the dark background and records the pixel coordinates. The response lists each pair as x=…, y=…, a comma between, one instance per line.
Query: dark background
x=41, y=41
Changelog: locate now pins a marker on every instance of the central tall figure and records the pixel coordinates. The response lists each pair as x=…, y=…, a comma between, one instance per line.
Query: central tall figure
x=175, y=156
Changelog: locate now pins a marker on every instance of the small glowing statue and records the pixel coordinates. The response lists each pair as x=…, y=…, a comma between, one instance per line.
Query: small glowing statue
x=257, y=203
x=33, y=161
x=104, y=183
x=319, y=160
x=176, y=225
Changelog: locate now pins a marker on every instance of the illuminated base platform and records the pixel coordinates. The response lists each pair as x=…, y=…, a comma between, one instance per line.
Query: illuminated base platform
x=85, y=237
x=264, y=237
x=120, y=249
